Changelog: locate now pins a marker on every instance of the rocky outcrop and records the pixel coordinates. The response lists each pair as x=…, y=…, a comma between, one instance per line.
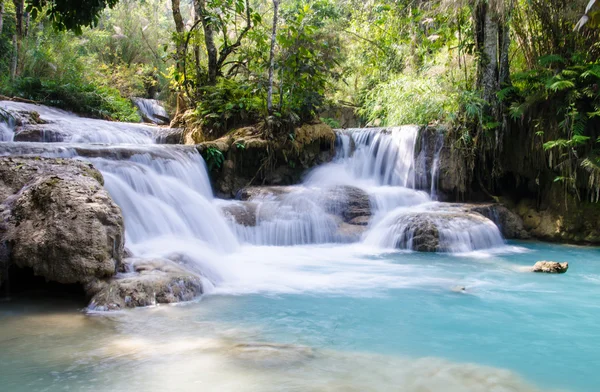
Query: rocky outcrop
x=510, y=223
x=169, y=136
x=563, y=220
x=147, y=282
x=436, y=153
x=58, y=220
x=244, y=157
x=550, y=267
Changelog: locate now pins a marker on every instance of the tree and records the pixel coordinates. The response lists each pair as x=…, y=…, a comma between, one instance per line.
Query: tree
x=70, y=14
x=272, y=57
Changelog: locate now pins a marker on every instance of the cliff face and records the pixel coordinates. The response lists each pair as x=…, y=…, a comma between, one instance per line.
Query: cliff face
x=516, y=173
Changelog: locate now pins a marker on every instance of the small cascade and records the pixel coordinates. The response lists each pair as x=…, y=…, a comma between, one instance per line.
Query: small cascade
x=431, y=143
x=152, y=111
x=7, y=126
x=435, y=227
x=44, y=124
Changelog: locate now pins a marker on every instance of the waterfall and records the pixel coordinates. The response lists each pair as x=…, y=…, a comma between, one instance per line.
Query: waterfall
x=431, y=143
x=151, y=111
x=369, y=192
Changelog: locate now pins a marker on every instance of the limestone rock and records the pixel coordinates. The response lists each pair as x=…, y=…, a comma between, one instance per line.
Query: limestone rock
x=550, y=267
x=351, y=203
x=242, y=213
x=59, y=220
x=510, y=224
x=149, y=282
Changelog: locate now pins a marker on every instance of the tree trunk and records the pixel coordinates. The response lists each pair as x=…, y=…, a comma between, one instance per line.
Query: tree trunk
x=19, y=10
x=272, y=57
x=13, y=66
x=209, y=40
x=180, y=28
x=489, y=54
x=1, y=15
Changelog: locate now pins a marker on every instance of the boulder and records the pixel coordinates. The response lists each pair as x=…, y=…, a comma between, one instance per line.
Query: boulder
x=550, y=267
x=148, y=282
x=169, y=136
x=242, y=213
x=58, y=220
x=510, y=223
x=436, y=231
x=351, y=203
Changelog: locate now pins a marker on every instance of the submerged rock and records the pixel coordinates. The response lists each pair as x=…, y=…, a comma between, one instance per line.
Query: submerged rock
x=149, y=282
x=59, y=220
x=550, y=267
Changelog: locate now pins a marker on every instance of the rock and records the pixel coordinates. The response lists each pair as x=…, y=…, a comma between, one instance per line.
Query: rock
x=437, y=231
x=36, y=134
x=169, y=136
x=59, y=220
x=149, y=282
x=264, y=192
x=550, y=267
x=250, y=159
x=510, y=223
x=351, y=203
x=242, y=213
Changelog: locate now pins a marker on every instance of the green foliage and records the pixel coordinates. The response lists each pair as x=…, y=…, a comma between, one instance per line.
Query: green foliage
x=332, y=122
x=214, y=158
x=70, y=14
x=228, y=104
x=87, y=99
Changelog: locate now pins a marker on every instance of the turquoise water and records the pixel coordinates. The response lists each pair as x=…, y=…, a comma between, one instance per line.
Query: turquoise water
x=386, y=321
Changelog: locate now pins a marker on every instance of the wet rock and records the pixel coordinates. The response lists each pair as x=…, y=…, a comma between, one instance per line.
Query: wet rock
x=242, y=213
x=36, y=134
x=351, y=203
x=438, y=231
x=169, y=136
x=251, y=159
x=59, y=220
x=550, y=267
x=510, y=223
x=149, y=282
x=264, y=192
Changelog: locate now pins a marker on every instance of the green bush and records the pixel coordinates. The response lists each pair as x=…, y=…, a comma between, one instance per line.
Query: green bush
x=229, y=104
x=83, y=98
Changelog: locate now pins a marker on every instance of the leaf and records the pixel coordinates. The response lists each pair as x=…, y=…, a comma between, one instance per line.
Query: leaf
x=560, y=85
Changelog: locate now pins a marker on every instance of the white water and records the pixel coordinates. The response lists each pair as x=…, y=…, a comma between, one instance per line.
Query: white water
x=62, y=126
x=151, y=110
x=168, y=206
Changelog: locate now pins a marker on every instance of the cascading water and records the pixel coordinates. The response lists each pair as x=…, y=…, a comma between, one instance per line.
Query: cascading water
x=164, y=191
x=152, y=111
x=57, y=125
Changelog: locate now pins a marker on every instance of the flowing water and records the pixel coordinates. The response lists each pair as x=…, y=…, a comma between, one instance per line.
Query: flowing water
x=337, y=311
